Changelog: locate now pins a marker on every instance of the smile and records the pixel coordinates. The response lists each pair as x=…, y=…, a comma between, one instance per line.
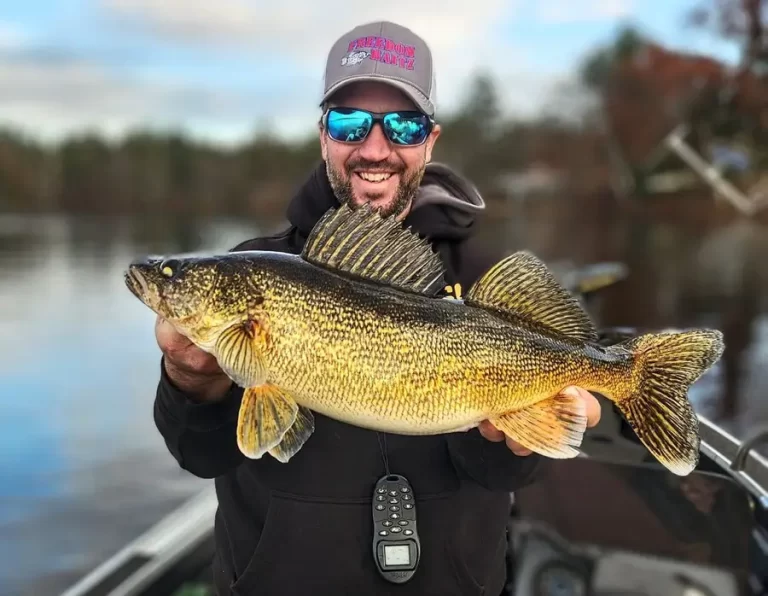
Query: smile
x=374, y=176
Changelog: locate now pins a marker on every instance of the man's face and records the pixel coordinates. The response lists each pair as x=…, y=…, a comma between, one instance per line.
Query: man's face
x=376, y=171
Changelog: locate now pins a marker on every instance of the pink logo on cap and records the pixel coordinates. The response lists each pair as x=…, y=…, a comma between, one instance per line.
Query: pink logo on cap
x=380, y=49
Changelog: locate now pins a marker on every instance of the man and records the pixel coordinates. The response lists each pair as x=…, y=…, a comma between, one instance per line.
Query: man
x=306, y=526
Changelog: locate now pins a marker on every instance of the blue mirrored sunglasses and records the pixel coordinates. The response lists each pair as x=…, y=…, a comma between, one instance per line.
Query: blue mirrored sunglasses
x=404, y=128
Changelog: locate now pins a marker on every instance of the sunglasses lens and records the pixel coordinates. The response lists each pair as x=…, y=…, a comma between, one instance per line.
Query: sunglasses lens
x=406, y=128
x=349, y=126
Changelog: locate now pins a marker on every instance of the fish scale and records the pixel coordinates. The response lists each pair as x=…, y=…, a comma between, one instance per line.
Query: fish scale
x=359, y=327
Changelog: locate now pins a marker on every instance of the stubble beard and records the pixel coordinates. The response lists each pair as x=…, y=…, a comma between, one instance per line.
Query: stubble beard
x=406, y=189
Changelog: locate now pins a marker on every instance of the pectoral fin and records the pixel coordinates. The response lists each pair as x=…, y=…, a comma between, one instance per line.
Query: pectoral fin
x=552, y=427
x=295, y=437
x=239, y=351
x=266, y=414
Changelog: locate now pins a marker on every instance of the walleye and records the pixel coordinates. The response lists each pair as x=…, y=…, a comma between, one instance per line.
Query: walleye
x=358, y=327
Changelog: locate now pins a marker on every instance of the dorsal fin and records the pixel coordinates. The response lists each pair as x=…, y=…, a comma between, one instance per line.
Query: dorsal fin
x=361, y=243
x=521, y=287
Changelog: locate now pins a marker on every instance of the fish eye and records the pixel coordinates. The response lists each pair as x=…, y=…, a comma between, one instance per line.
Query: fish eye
x=169, y=267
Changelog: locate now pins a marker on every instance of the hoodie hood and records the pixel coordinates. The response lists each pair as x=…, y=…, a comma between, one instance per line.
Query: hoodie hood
x=445, y=207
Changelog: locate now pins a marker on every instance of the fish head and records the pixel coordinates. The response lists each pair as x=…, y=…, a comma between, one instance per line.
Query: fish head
x=200, y=296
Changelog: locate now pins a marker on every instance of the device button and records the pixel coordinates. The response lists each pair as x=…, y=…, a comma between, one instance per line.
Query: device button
x=407, y=532
x=395, y=529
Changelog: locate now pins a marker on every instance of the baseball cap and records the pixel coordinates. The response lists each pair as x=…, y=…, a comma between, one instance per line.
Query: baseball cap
x=387, y=53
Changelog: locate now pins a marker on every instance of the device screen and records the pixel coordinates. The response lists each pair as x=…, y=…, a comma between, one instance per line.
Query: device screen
x=397, y=555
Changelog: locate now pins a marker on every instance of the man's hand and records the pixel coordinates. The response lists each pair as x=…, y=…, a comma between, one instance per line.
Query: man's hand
x=191, y=369
x=593, y=417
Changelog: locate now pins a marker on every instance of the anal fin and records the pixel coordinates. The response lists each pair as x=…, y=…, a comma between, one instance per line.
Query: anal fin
x=553, y=427
x=295, y=437
x=266, y=414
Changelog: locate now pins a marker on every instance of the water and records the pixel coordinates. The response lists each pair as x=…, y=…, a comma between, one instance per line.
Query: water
x=82, y=466
x=83, y=469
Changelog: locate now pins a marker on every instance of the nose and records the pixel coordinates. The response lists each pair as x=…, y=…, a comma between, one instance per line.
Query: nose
x=376, y=147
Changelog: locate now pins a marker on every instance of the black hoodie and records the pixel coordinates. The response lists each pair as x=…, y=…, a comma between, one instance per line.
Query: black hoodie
x=305, y=526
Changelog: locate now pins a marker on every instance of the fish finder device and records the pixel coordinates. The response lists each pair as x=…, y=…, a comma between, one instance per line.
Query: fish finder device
x=396, y=547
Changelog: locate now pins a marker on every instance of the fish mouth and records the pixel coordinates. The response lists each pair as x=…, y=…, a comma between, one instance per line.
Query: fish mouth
x=137, y=284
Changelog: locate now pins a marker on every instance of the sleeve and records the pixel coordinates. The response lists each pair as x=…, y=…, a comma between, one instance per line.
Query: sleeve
x=202, y=437
x=493, y=465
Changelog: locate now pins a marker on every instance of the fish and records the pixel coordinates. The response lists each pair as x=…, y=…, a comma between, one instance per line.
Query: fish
x=361, y=326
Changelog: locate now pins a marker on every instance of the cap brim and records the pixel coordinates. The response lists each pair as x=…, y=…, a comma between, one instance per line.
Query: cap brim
x=409, y=90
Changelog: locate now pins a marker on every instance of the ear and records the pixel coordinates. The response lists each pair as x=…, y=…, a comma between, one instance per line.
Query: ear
x=323, y=142
x=431, y=140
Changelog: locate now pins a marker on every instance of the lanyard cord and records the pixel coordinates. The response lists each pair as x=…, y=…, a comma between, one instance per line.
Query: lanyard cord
x=383, y=447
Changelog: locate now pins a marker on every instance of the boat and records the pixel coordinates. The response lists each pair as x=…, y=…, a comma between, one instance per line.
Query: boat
x=610, y=522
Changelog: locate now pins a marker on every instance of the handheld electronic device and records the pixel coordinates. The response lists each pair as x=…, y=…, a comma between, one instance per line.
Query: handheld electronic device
x=396, y=546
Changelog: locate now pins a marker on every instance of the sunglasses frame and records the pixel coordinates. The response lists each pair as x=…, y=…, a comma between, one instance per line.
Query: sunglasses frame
x=378, y=118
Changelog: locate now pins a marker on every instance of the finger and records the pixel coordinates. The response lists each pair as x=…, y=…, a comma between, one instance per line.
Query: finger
x=517, y=448
x=181, y=353
x=590, y=401
x=490, y=432
x=195, y=360
x=168, y=338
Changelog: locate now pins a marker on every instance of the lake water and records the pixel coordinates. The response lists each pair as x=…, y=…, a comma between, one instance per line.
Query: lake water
x=83, y=469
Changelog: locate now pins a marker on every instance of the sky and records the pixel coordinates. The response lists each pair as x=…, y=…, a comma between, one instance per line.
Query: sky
x=222, y=69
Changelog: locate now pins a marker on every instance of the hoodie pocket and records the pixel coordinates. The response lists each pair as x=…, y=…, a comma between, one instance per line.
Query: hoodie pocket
x=309, y=545
x=312, y=545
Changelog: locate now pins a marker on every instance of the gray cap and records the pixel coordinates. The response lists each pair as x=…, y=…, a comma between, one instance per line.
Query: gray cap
x=387, y=53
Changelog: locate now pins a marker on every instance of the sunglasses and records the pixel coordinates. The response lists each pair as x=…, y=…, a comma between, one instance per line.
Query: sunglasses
x=351, y=125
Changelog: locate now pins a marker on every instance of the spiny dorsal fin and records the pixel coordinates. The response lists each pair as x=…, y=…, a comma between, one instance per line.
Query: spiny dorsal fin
x=362, y=243
x=520, y=286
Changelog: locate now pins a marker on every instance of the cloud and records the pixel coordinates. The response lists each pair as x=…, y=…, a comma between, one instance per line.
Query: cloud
x=299, y=26
x=296, y=37
x=572, y=11
x=220, y=69
x=11, y=36
x=56, y=96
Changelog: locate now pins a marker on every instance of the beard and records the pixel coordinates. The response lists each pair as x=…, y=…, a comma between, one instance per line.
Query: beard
x=341, y=183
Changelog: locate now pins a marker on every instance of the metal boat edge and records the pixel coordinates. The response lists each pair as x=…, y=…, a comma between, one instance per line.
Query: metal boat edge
x=738, y=458
x=186, y=532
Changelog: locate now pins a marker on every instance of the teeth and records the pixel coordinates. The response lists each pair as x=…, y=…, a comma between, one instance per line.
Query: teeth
x=371, y=177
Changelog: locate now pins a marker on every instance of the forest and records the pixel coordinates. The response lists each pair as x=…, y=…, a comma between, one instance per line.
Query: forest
x=637, y=89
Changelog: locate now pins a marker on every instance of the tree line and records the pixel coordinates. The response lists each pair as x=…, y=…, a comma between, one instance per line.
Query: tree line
x=633, y=80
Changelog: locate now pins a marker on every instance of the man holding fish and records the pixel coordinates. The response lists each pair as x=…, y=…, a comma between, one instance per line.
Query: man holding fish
x=339, y=468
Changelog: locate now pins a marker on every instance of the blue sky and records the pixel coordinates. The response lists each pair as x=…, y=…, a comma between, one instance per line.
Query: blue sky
x=219, y=69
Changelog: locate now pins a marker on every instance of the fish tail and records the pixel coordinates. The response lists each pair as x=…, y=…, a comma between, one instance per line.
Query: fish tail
x=655, y=402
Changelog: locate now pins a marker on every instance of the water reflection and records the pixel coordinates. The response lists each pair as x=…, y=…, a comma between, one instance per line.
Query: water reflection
x=82, y=467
